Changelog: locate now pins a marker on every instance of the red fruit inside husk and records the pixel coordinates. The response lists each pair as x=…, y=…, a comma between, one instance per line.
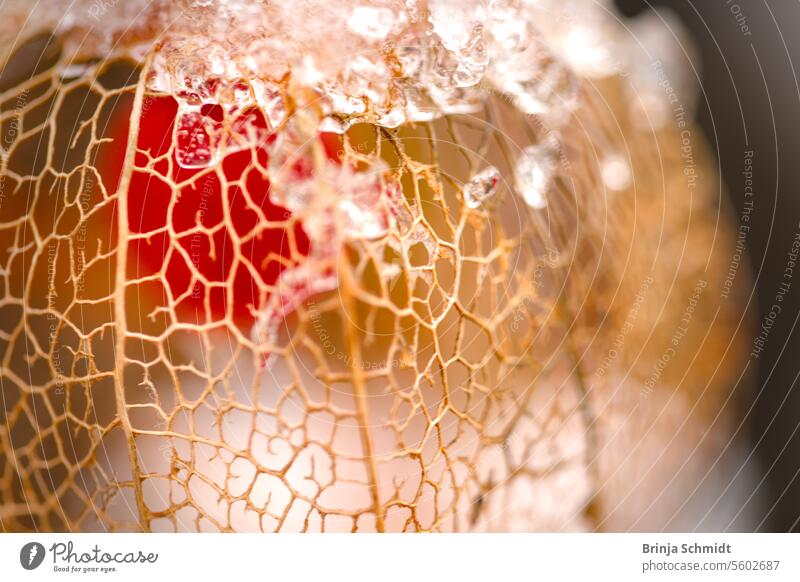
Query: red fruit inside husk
x=212, y=211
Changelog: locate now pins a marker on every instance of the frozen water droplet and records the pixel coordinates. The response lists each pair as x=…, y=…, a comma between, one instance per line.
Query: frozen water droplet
x=458, y=53
x=196, y=141
x=345, y=104
x=594, y=45
x=308, y=73
x=472, y=60
x=537, y=80
x=335, y=201
x=509, y=32
x=452, y=70
x=362, y=203
x=269, y=98
x=295, y=286
x=332, y=124
x=616, y=173
x=191, y=83
x=240, y=93
x=413, y=10
x=482, y=187
x=454, y=21
x=371, y=22
x=395, y=117
x=535, y=169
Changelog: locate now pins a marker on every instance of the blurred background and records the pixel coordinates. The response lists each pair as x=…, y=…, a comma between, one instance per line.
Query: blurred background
x=750, y=100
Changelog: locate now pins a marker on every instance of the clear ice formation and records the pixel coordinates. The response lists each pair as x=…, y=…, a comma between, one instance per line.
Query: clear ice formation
x=385, y=62
x=535, y=169
x=482, y=188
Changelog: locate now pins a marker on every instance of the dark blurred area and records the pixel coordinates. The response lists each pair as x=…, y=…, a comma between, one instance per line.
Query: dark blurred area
x=751, y=101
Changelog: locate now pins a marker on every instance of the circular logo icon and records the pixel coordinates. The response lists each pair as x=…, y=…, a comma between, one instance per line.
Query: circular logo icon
x=31, y=555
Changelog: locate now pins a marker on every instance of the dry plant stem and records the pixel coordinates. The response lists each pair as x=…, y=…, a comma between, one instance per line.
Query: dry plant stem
x=121, y=283
x=359, y=389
